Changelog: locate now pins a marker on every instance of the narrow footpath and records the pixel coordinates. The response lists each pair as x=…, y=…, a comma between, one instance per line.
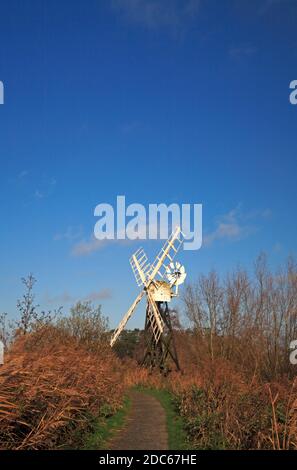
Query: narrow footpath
x=145, y=427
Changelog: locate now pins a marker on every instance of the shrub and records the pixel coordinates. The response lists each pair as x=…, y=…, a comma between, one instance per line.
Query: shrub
x=50, y=384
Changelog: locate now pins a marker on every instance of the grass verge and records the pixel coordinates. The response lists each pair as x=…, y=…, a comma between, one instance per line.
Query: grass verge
x=104, y=427
x=177, y=439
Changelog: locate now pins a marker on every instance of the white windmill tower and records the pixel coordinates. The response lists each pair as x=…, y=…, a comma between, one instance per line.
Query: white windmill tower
x=159, y=282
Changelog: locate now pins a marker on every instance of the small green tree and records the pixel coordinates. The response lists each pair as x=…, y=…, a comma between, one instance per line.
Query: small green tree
x=126, y=345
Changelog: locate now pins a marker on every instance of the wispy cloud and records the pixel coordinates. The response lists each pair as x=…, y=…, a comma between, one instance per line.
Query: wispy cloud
x=155, y=14
x=103, y=294
x=63, y=298
x=22, y=174
x=38, y=194
x=235, y=225
x=45, y=188
x=242, y=51
x=130, y=127
x=277, y=247
x=266, y=5
x=125, y=237
x=87, y=247
x=66, y=297
x=70, y=234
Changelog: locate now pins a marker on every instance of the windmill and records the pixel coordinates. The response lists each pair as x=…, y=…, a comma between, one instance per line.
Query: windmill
x=159, y=282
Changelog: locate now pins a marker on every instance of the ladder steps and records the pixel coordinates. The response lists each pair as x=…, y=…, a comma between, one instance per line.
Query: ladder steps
x=140, y=265
x=154, y=326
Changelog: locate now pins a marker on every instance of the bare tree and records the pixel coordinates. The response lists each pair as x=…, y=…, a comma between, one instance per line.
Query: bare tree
x=30, y=317
x=212, y=297
x=248, y=319
x=236, y=298
x=203, y=307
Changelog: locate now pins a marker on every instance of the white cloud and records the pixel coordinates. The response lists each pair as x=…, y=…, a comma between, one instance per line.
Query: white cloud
x=38, y=194
x=266, y=5
x=22, y=174
x=66, y=298
x=235, y=225
x=277, y=247
x=70, y=234
x=242, y=51
x=86, y=247
x=130, y=127
x=154, y=14
x=102, y=294
x=47, y=187
x=63, y=298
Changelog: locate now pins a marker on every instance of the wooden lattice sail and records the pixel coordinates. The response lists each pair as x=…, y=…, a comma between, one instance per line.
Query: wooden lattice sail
x=159, y=282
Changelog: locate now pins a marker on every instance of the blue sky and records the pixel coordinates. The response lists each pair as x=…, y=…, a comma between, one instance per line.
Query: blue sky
x=161, y=101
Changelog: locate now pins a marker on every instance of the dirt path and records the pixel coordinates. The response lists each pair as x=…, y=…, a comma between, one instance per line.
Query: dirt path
x=145, y=427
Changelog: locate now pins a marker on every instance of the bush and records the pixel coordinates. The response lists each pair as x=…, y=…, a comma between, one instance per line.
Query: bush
x=86, y=324
x=50, y=385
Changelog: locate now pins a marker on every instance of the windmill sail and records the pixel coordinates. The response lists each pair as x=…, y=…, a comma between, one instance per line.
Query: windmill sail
x=166, y=255
x=145, y=274
x=122, y=324
x=140, y=266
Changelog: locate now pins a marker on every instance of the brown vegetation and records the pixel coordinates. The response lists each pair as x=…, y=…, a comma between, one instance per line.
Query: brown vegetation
x=237, y=388
x=56, y=377
x=50, y=385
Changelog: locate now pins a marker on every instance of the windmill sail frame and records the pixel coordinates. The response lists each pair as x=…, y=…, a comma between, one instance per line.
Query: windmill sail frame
x=158, y=330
